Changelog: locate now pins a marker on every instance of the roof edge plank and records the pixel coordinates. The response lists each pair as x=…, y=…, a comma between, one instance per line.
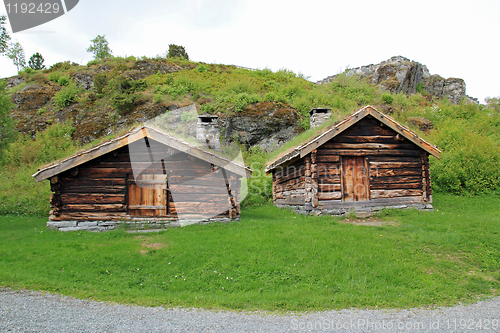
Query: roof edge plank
x=137, y=134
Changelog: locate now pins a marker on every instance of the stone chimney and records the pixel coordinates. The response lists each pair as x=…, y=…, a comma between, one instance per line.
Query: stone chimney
x=207, y=131
x=317, y=116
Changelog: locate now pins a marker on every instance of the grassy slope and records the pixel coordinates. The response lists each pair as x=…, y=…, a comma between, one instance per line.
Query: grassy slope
x=271, y=260
x=467, y=134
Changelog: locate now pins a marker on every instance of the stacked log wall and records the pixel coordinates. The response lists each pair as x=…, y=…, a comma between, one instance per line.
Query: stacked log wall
x=395, y=164
x=97, y=190
x=289, y=184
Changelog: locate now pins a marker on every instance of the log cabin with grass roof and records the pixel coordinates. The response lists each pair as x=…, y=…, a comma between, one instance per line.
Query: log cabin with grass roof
x=365, y=163
x=145, y=178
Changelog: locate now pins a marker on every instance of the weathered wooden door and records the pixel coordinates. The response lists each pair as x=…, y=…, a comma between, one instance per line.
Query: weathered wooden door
x=147, y=195
x=355, y=179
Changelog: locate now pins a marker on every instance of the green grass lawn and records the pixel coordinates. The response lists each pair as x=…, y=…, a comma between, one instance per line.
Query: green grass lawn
x=271, y=260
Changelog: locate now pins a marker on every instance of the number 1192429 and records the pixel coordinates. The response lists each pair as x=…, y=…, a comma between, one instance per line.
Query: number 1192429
x=31, y=8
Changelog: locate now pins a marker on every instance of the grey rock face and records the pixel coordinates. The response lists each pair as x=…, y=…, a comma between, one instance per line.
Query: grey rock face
x=84, y=80
x=13, y=81
x=402, y=75
x=266, y=125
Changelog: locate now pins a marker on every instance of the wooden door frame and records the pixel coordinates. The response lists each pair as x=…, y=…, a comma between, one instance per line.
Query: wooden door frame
x=342, y=178
x=127, y=196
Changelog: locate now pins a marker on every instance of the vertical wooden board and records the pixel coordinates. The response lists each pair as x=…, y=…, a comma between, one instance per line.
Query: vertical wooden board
x=134, y=198
x=348, y=181
x=355, y=179
x=160, y=195
x=147, y=195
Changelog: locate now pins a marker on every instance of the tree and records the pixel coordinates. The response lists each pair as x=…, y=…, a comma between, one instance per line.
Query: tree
x=7, y=132
x=100, y=48
x=177, y=51
x=4, y=36
x=16, y=53
x=36, y=62
x=493, y=103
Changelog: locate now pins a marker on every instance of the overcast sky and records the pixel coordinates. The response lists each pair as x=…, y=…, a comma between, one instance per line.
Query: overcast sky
x=316, y=38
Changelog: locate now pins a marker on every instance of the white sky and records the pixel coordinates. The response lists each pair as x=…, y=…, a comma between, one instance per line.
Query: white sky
x=453, y=38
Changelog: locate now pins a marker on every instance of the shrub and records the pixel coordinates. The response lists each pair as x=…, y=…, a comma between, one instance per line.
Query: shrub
x=274, y=96
x=187, y=117
x=7, y=131
x=100, y=82
x=244, y=99
x=54, y=77
x=177, y=51
x=50, y=145
x=63, y=81
x=23, y=157
x=62, y=65
x=123, y=102
x=201, y=68
x=387, y=98
x=469, y=162
x=92, y=62
x=66, y=95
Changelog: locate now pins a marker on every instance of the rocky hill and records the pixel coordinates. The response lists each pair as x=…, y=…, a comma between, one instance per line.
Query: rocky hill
x=402, y=75
x=254, y=107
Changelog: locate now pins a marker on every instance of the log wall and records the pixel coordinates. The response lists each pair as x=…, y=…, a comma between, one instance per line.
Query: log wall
x=395, y=165
x=289, y=184
x=396, y=169
x=99, y=189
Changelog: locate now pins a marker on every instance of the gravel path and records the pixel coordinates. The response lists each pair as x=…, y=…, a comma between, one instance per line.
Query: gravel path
x=25, y=311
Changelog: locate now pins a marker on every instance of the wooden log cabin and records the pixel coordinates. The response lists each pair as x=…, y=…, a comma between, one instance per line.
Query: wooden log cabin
x=145, y=177
x=364, y=163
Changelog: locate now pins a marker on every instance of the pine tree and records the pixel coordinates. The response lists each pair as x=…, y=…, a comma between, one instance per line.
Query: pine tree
x=36, y=62
x=177, y=51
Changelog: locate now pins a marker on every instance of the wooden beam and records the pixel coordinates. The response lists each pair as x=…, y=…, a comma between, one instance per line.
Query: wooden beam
x=330, y=195
x=379, y=194
x=413, y=137
x=371, y=203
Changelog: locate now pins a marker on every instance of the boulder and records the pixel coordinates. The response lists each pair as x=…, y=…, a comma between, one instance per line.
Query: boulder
x=402, y=75
x=265, y=124
x=422, y=123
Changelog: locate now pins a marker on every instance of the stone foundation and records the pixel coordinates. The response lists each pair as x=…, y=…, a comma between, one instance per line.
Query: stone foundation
x=360, y=212
x=136, y=224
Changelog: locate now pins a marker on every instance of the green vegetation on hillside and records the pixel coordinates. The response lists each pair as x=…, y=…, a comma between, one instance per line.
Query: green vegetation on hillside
x=126, y=90
x=272, y=260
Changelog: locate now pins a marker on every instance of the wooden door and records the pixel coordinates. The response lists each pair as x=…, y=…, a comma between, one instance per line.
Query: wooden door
x=147, y=195
x=355, y=178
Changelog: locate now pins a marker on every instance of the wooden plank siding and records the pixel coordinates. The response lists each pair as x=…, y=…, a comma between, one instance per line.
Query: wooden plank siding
x=106, y=188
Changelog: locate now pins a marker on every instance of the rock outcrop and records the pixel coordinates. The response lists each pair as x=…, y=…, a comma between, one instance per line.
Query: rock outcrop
x=402, y=75
x=266, y=125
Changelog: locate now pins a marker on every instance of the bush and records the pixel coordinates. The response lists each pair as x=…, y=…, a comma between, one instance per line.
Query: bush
x=244, y=99
x=22, y=158
x=7, y=129
x=62, y=65
x=54, y=77
x=274, y=96
x=50, y=145
x=66, y=95
x=63, y=81
x=387, y=98
x=123, y=102
x=201, y=68
x=469, y=162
